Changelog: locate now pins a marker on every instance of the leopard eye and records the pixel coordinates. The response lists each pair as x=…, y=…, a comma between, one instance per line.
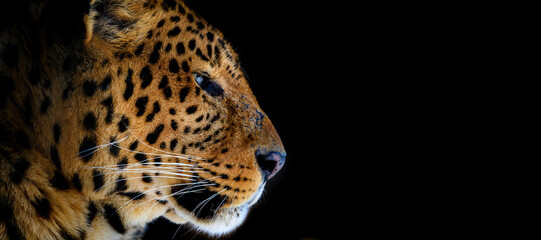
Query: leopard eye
x=208, y=84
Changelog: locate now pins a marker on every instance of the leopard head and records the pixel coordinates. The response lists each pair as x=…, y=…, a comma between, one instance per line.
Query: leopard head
x=182, y=133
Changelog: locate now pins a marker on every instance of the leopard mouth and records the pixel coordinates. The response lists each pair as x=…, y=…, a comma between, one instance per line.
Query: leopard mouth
x=211, y=216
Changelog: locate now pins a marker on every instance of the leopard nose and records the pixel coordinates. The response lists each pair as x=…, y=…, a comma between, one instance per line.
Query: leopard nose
x=270, y=163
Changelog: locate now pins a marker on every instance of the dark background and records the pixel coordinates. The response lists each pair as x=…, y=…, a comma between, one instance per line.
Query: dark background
x=287, y=50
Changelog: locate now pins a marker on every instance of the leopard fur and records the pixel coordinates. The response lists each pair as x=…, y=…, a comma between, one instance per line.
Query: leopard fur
x=118, y=112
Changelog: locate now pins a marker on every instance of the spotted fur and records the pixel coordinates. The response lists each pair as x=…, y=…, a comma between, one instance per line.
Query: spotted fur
x=118, y=112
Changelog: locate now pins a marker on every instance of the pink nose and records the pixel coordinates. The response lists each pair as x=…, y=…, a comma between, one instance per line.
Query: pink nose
x=270, y=163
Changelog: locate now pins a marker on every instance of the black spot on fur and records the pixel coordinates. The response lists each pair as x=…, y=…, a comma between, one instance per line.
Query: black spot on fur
x=173, y=66
x=161, y=23
x=210, y=36
x=216, y=117
x=134, y=145
x=104, y=85
x=183, y=93
x=89, y=122
x=123, y=124
x=76, y=181
x=174, y=124
x=147, y=178
x=200, y=55
x=156, y=109
x=209, y=50
x=86, y=149
x=114, y=219
x=191, y=44
x=55, y=158
x=141, y=105
x=133, y=195
x=123, y=163
x=92, y=211
x=164, y=84
x=180, y=48
x=108, y=103
x=121, y=184
x=139, y=49
x=56, y=132
x=97, y=179
x=146, y=77
x=153, y=136
x=140, y=157
x=200, y=25
x=45, y=105
x=181, y=10
x=18, y=171
x=58, y=181
x=128, y=92
x=157, y=162
x=174, y=32
x=114, y=148
x=183, y=151
x=89, y=87
x=155, y=55
x=191, y=109
x=67, y=91
x=185, y=66
x=42, y=207
x=173, y=144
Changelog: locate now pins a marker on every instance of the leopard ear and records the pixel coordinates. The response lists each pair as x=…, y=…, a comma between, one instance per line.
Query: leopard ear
x=112, y=21
x=88, y=20
x=62, y=21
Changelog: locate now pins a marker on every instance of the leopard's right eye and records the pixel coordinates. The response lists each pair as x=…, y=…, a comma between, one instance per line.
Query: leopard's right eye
x=208, y=84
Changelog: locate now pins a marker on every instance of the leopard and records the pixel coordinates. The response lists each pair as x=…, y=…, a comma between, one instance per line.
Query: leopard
x=115, y=113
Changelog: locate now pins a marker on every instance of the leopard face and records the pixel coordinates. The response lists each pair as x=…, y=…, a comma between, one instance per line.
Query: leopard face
x=149, y=115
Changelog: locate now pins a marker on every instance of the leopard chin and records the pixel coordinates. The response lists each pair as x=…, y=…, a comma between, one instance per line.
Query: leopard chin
x=224, y=221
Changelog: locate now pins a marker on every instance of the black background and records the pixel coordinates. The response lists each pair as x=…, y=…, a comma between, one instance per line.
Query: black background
x=288, y=51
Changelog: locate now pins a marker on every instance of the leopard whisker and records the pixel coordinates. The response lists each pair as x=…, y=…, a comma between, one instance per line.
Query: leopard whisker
x=182, y=156
x=153, y=164
x=168, y=154
x=204, y=202
x=151, y=171
x=153, y=189
x=169, y=195
x=223, y=201
x=123, y=179
x=139, y=165
x=99, y=146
